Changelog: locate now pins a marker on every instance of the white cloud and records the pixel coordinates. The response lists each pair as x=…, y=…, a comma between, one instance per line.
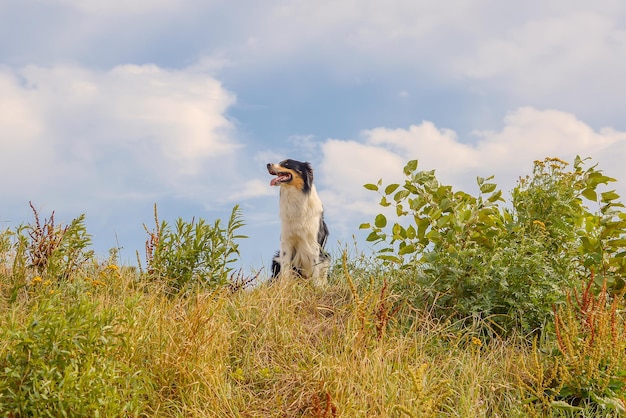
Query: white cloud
x=571, y=58
x=528, y=134
x=547, y=41
x=131, y=127
x=251, y=189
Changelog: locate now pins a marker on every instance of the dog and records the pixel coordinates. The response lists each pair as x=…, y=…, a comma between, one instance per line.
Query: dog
x=303, y=231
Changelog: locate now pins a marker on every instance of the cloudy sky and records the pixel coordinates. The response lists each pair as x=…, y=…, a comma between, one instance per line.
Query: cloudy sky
x=108, y=107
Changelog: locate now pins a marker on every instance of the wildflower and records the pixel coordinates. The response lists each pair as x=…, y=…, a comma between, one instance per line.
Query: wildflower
x=51, y=292
x=113, y=269
x=47, y=283
x=476, y=341
x=97, y=283
x=539, y=223
x=36, y=279
x=558, y=160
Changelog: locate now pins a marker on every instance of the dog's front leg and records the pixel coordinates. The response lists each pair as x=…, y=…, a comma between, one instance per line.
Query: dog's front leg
x=286, y=257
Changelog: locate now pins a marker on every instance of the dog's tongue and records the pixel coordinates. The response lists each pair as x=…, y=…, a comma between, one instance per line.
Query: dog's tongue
x=279, y=179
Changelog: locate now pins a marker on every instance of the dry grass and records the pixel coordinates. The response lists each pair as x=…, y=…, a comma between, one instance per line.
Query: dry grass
x=287, y=350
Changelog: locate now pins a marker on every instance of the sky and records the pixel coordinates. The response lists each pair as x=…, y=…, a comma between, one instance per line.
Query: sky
x=108, y=107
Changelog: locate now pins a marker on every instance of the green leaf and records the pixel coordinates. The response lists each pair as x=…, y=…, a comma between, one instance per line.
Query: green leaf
x=370, y=186
x=365, y=226
x=488, y=187
x=398, y=232
x=564, y=406
x=391, y=258
x=617, y=243
x=608, y=196
x=401, y=195
x=410, y=167
x=407, y=249
x=380, y=221
x=590, y=194
x=391, y=188
x=374, y=236
x=495, y=197
x=445, y=204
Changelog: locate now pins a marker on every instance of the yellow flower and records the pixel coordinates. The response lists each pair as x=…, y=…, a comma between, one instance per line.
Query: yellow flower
x=557, y=160
x=476, y=341
x=51, y=291
x=47, y=283
x=36, y=279
x=539, y=223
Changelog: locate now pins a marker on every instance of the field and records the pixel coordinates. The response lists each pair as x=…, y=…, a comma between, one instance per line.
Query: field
x=469, y=310
x=102, y=341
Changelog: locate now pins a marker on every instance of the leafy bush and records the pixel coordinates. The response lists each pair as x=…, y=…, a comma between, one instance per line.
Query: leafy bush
x=61, y=361
x=506, y=267
x=43, y=249
x=56, y=251
x=193, y=253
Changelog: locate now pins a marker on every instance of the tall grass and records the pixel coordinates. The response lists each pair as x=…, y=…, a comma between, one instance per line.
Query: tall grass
x=103, y=342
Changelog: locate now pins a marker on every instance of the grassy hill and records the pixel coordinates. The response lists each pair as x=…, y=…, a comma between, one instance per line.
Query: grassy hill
x=468, y=310
x=104, y=341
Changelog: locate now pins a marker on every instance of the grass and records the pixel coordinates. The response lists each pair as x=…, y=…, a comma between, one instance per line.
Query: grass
x=106, y=343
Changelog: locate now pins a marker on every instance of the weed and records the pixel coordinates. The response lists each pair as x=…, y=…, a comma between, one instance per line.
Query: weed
x=591, y=341
x=325, y=408
x=61, y=361
x=192, y=254
x=428, y=399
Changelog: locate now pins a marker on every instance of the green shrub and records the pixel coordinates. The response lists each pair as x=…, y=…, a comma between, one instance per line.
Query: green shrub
x=55, y=251
x=61, y=361
x=43, y=249
x=504, y=268
x=192, y=253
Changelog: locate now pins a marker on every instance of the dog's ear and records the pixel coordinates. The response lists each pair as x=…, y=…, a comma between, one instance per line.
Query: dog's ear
x=308, y=176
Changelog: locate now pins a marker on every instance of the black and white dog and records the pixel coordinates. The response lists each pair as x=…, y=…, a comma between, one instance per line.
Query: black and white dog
x=303, y=230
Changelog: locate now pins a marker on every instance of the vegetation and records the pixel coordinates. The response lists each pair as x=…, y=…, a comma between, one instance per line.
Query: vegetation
x=502, y=267
x=472, y=310
x=193, y=253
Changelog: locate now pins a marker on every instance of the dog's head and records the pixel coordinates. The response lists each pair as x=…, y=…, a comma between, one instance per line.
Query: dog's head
x=292, y=173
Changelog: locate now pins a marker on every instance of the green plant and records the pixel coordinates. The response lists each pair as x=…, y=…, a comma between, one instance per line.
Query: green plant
x=591, y=342
x=472, y=259
x=374, y=308
x=61, y=361
x=557, y=201
x=192, y=253
x=44, y=249
x=56, y=251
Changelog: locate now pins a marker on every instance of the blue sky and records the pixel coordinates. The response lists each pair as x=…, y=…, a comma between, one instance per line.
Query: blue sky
x=108, y=106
